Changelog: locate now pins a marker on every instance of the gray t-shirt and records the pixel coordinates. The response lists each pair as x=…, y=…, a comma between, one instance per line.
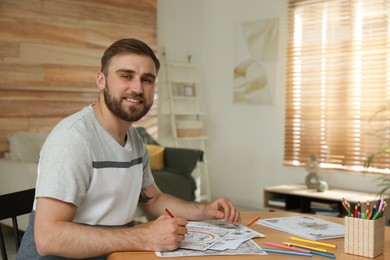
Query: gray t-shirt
x=82, y=164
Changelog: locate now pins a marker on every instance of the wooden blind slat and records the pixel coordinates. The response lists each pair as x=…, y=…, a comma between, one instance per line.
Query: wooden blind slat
x=338, y=76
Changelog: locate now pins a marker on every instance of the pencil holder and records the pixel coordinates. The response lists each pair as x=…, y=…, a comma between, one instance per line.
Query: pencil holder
x=364, y=237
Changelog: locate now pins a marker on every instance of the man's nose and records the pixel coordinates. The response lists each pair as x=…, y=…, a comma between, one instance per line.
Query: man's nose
x=136, y=86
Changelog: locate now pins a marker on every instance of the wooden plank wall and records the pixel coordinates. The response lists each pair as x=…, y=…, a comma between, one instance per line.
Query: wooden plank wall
x=50, y=53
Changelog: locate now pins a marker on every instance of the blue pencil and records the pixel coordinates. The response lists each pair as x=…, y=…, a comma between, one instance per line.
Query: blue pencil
x=286, y=252
x=322, y=254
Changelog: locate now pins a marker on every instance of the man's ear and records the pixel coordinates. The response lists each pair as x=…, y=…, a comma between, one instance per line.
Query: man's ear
x=100, y=80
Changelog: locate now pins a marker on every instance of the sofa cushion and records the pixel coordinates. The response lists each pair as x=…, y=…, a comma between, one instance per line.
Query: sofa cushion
x=156, y=153
x=181, y=160
x=180, y=186
x=25, y=146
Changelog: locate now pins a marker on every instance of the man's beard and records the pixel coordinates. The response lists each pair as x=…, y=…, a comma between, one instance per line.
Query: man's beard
x=131, y=115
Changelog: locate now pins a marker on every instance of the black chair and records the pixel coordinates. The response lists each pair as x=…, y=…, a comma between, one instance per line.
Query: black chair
x=13, y=205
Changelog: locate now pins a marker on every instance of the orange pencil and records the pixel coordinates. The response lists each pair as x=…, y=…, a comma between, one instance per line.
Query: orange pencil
x=368, y=206
x=253, y=221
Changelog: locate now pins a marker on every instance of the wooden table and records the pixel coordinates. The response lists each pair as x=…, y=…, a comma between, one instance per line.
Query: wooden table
x=272, y=235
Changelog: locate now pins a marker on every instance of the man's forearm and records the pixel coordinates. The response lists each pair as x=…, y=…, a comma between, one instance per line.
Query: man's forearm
x=78, y=241
x=180, y=208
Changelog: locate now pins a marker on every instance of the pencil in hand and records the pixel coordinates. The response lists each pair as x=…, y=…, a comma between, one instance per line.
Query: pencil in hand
x=169, y=213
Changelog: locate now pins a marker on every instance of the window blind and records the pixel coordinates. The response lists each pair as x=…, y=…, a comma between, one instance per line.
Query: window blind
x=338, y=83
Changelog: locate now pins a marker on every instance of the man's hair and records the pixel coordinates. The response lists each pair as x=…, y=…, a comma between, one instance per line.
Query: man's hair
x=129, y=45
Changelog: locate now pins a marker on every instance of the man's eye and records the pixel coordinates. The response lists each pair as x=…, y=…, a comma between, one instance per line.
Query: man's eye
x=126, y=76
x=148, y=81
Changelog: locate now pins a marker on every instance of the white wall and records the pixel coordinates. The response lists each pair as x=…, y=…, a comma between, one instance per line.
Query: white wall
x=245, y=146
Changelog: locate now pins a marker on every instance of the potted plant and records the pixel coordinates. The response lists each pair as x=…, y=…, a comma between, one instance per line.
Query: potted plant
x=384, y=150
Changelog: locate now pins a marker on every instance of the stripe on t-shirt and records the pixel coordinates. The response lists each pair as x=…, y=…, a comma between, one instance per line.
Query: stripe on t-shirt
x=112, y=164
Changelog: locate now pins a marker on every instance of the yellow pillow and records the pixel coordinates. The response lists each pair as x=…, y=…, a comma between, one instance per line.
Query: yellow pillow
x=156, y=154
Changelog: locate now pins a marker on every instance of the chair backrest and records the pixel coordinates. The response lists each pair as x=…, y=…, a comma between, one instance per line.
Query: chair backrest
x=13, y=205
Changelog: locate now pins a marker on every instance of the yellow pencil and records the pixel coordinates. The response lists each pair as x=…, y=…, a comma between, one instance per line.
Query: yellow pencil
x=313, y=242
x=307, y=247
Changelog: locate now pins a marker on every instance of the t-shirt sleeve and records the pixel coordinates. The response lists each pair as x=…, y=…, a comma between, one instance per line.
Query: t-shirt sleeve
x=64, y=167
x=147, y=177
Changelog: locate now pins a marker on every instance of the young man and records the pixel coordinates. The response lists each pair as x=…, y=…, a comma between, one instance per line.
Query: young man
x=94, y=170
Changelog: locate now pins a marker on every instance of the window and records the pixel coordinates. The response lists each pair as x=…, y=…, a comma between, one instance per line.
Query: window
x=338, y=81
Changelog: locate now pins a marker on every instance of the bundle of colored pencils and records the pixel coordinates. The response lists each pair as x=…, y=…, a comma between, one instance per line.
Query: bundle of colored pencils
x=373, y=213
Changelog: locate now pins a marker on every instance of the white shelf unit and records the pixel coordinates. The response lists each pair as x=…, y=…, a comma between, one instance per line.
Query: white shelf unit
x=187, y=118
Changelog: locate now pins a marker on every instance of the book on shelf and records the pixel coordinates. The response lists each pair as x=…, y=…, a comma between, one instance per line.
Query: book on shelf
x=323, y=208
x=323, y=205
x=327, y=213
x=277, y=201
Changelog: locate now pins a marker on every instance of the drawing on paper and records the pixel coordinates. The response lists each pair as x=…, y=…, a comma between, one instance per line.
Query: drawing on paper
x=315, y=226
x=198, y=237
x=216, y=237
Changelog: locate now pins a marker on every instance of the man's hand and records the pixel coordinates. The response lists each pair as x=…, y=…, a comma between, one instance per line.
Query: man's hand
x=166, y=233
x=222, y=208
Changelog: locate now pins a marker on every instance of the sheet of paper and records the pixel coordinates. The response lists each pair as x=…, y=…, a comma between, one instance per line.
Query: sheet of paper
x=305, y=226
x=247, y=248
x=216, y=237
x=218, y=234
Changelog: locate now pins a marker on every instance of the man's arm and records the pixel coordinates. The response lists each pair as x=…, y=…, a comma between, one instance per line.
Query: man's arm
x=154, y=202
x=56, y=234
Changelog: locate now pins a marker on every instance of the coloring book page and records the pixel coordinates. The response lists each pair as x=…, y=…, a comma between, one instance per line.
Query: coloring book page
x=216, y=237
x=305, y=226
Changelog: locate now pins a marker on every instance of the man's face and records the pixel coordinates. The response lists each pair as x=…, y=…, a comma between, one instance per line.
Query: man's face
x=129, y=86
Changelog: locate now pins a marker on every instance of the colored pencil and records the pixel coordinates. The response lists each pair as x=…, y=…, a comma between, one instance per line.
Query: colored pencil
x=345, y=205
x=368, y=206
x=288, y=247
x=349, y=210
x=381, y=203
x=322, y=254
x=376, y=215
x=313, y=242
x=253, y=221
x=366, y=214
x=306, y=247
x=286, y=252
x=169, y=213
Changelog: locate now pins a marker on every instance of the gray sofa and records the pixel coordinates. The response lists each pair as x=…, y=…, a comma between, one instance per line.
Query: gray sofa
x=175, y=178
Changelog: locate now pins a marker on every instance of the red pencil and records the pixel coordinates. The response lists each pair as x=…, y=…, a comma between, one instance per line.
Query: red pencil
x=169, y=213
